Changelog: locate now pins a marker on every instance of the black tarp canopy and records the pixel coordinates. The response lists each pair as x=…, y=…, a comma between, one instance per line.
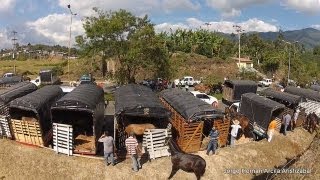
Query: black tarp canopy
x=259, y=109
x=138, y=100
x=83, y=108
x=84, y=98
x=281, y=96
x=16, y=91
x=304, y=93
x=315, y=87
x=37, y=105
x=38, y=99
x=188, y=106
x=240, y=87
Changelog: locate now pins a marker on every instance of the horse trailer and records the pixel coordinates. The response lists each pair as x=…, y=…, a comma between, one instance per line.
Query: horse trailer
x=31, y=116
x=310, y=99
x=137, y=108
x=78, y=119
x=233, y=89
x=6, y=97
x=191, y=118
x=260, y=111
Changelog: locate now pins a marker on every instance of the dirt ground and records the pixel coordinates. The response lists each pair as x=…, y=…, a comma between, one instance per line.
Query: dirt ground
x=19, y=161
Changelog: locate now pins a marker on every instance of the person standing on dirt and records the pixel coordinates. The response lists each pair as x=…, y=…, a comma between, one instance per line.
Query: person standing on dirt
x=286, y=120
x=295, y=118
x=213, y=143
x=234, y=131
x=108, y=147
x=132, y=149
x=271, y=128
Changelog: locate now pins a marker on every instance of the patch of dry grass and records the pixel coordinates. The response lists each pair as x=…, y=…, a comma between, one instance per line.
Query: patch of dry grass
x=24, y=162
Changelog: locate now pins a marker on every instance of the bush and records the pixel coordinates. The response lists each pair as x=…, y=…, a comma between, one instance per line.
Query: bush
x=57, y=70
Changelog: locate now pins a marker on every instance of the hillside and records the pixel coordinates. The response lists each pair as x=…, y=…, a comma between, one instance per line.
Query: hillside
x=309, y=37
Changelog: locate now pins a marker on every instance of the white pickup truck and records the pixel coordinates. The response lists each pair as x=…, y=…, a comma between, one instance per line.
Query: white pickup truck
x=265, y=82
x=186, y=80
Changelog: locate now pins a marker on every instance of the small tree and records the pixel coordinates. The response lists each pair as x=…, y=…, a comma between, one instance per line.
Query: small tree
x=122, y=36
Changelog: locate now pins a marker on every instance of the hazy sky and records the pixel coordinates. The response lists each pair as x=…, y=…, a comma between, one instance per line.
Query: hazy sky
x=48, y=21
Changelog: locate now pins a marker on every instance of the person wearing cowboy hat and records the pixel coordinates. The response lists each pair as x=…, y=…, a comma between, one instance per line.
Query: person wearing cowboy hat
x=213, y=143
x=295, y=118
x=234, y=131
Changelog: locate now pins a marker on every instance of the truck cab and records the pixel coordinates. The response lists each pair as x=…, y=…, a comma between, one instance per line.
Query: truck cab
x=265, y=82
x=8, y=75
x=186, y=80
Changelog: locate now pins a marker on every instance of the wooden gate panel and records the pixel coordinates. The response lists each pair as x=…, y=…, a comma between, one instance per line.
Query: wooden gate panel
x=223, y=127
x=5, y=127
x=153, y=141
x=27, y=132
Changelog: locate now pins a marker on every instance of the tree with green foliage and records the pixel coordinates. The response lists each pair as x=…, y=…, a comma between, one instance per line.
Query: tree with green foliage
x=316, y=50
x=129, y=39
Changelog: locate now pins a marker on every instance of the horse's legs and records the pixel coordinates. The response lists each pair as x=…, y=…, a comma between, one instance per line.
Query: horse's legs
x=173, y=171
x=197, y=175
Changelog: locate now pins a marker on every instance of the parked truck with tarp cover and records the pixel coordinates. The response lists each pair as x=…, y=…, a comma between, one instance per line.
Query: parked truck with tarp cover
x=137, y=106
x=310, y=99
x=31, y=116
x=191, y=118
x=291, y=102
x=15, y=91
x=46, y=77
x=259, y=110
x=233, y=89
x=78, y=118
x=315, y=87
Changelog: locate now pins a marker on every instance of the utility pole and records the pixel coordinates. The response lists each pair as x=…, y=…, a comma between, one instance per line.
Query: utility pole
x=239, y=30
x=289, y=66
x=69, y=52
x=14, y=48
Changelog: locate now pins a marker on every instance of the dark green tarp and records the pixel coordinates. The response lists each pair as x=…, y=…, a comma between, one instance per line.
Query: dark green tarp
x=281, y=96
x=138, y=100
x=188, y=106
x=240, y=87
x=304, y=93
x=259, y=109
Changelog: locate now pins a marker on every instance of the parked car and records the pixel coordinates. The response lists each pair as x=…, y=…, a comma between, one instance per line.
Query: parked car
x=206, y=98
x=10, y=78
x=86, y=79
x=265, y=82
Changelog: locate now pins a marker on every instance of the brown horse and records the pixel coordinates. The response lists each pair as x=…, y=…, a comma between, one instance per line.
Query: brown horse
x=312, y=122
x=231, y=114
x=186, y=162
x=138, y=129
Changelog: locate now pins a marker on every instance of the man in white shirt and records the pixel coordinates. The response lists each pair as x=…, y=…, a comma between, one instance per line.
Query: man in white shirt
x=234, y=131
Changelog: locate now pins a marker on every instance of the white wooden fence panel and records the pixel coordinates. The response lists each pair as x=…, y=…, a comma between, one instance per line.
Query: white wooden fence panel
x=311, y=106
x=63, y=138
x=4, y=127
x=153, y=141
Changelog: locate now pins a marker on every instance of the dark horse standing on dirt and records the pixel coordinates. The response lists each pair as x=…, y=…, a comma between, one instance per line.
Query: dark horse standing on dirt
x=184, y=161
x=312, y=122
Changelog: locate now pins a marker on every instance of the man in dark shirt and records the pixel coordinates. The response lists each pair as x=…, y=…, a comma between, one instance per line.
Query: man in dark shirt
x=213, y=143
x=108, y=147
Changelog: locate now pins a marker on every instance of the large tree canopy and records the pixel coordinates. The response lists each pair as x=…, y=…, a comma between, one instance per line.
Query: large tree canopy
x=129, y=39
